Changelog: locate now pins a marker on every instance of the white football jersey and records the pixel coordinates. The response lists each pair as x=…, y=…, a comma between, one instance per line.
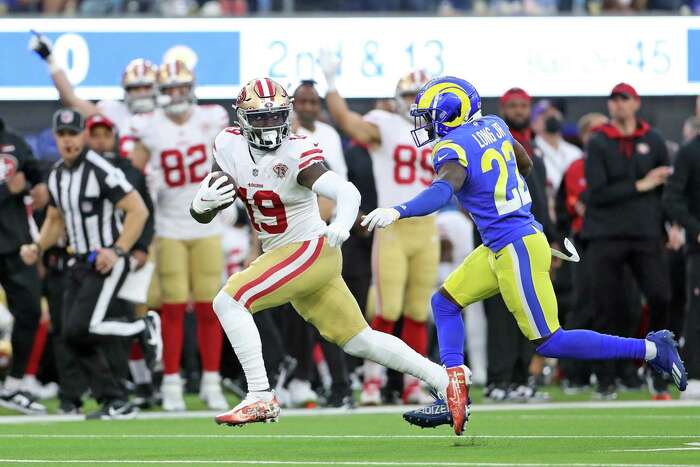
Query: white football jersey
x=280, y=209
x=118, y=113
x=401, y=170
x=180, y=159
x=329, y=139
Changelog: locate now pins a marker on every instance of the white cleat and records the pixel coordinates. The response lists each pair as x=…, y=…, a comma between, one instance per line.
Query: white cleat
x=415, y=392
x=172, y=394
x=371, y=392
x=301, y=394
x=210, y=391
x=41, y=391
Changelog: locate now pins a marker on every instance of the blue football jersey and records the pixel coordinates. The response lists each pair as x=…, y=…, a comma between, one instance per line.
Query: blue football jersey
x=494, y=193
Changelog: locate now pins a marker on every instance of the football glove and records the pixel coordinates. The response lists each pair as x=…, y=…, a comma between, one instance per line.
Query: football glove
x=336, y=234
x=211, y=197
x=41, y=45
x=380, y=218
x=330, y=63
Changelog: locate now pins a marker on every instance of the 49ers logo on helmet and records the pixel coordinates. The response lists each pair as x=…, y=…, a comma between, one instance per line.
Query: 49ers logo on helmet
x=280, y=170
x=241, y=96
x=8, y=166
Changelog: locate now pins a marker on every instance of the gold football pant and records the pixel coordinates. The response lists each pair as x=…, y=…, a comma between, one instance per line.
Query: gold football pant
x=307, y=274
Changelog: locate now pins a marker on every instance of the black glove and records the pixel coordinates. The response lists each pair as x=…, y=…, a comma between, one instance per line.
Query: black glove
x=40, y=44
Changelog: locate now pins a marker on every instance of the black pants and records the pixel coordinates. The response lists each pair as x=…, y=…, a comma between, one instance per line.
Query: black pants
x=23, y=290
x=509, y=351
x=647, y=263
x=692, y=320
x=85, y=296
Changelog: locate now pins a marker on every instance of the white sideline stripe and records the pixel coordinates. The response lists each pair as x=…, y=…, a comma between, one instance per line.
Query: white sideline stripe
x=331, y=437
x=266, y=462
x=476, y=409
x=692, y=447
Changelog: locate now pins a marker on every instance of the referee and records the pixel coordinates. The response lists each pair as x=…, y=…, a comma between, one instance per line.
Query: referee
x=87, y=196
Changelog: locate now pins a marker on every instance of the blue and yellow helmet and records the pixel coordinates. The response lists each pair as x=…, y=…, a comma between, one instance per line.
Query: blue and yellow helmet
x=442, y=105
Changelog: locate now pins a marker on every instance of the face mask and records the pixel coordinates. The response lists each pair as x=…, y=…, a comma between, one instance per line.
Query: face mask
x=552, y=125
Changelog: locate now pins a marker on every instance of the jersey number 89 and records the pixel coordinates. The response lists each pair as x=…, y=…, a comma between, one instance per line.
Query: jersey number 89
x=405, y=158
x=520, y=196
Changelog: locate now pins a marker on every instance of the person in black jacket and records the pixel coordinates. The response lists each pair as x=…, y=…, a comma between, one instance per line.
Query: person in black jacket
x=681, y=200
x=19, y=171
x=627, y=163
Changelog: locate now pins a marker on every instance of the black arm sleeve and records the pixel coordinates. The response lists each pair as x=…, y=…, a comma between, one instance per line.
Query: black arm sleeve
x=600, y=190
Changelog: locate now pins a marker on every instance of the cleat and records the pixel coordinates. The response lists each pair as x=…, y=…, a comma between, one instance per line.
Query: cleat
x=371, y=392
x=434, y=415
x=414, y=392
x=252, y=409
x=171, y=389
x=458, y=396
x=662, y=396
x=22, y=402
x=667, y=360
x=211, y=393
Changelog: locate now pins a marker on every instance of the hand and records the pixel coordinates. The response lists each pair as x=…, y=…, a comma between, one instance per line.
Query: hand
x=580, y=208
x=676, y=237
x=41, y=45
x=330, y=64
x=654, y=178
x=141, y=257
x=211, y=197
x=17, y=183
x=29, y=253
x=106, y=259
x=336, y=234
x=380, y=218
x=40, y=196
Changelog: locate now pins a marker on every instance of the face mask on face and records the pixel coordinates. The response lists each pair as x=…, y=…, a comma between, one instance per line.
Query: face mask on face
x=552, y=125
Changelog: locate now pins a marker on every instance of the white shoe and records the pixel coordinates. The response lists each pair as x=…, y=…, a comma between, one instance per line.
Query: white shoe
x=41, y=391
x=371, y=392
x=414, y=392
x=172, y=394
x=211, y=393
x=301, y=394
x=692, y=391
x=283, y=397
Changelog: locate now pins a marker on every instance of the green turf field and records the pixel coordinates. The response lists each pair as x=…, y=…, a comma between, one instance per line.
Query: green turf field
x=586, y=436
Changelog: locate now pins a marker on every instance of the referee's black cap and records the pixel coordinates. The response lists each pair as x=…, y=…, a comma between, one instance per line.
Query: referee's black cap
x=68, y=119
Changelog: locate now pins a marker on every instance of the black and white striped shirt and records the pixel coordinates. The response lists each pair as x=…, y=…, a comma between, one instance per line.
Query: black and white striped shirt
x=85, y=194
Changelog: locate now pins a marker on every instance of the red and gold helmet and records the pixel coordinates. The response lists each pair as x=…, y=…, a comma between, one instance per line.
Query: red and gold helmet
x=409, y=85
x=264, y=111
x=139, y=83
x=176, y=74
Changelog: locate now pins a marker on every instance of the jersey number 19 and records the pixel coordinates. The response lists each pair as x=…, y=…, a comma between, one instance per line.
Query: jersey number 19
x=520, y=196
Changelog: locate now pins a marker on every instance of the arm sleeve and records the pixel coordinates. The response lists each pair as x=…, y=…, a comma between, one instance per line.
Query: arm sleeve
x=600, y=190
x=427, y=201
x=345, y=195
x=675, y=201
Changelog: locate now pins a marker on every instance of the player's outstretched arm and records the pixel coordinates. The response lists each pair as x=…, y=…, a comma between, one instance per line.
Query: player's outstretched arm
x=522, y=158
x=350, y=122
x=451, y=177
x=43, y=47
x=329, y=184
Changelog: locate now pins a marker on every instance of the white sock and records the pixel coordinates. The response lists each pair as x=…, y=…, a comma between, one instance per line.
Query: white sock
x=244, y=337
x=172, y=378
x=650, y=350
x=393, y=353
x=211, y=377
x=139, y=371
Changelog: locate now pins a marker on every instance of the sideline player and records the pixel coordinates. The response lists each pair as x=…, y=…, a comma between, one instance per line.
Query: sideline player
x=405, y=256
x=477, y=160
x=175, y=142
x=279, y=175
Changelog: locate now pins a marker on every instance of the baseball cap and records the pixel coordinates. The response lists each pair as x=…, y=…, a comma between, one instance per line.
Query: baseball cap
x=624, y=89
x=514, y=93
x=68, y=119
x=97, y=119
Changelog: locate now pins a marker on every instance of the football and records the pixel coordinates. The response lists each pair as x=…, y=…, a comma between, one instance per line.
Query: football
x=229, y=180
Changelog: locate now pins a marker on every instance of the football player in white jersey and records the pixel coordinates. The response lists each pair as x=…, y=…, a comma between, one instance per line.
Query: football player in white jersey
x=138, y=81
x=405, y=258
x=279, y=175
x=175, y=142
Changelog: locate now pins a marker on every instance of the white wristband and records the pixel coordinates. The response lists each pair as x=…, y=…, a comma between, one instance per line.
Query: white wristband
x=52, y=65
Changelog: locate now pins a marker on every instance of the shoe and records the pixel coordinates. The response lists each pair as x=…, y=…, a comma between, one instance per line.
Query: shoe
x=692, y=391
x=435, y=414
x=114, y=410
x=661, y=396
x=252, y=409
x=21, y=402
x=301, y=393
x=605, y=392
x=69, y=408
x=495, y=393
x=572, y=388
x=527, y=393
x=40, y=391
x=667, y=359
x=211, y=393
x=172, y=394
x=152, y=341
x=341, y=400
x=144, y=396
x=414, y=392
x=371, y=392
x=457, y=392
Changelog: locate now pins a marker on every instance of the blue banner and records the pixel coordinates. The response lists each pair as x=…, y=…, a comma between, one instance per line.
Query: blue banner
x=99, y=58
x=694, y=55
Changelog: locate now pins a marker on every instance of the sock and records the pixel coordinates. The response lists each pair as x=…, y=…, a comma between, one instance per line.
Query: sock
x=590, y=345
x=172, y=319
x=37, y=348
x=383, y=325
x=650, y=350
x=415, y=334
x=450, y=330
x=392, y=352
x=244, y=337
x=209, y=335
x=211, y=377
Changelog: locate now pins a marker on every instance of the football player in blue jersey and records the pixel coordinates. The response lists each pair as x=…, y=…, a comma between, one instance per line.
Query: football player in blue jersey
x=477, y=160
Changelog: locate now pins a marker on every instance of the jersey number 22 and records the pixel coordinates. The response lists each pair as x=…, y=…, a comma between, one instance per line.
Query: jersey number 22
x=520, y=196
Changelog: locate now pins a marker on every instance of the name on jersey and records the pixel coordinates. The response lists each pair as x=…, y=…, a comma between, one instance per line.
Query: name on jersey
x=485, y=136
x=255, y=185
